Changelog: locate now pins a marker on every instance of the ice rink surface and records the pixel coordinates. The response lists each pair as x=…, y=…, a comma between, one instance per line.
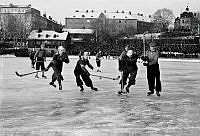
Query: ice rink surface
x=30, y=107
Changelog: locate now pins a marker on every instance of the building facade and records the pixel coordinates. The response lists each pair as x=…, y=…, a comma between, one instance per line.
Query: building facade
x=17, y=21
x=188, y=21
x=112, y=22
x=81, y=19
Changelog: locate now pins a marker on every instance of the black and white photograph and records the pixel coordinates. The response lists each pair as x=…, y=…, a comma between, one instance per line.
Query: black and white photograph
x=99, y=68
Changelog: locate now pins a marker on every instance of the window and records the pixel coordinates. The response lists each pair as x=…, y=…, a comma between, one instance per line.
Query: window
x=183, y=21
x=120, y=21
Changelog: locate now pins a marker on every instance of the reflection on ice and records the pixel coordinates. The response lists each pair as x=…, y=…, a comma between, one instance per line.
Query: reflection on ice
x=80, y=105
x=32, y=107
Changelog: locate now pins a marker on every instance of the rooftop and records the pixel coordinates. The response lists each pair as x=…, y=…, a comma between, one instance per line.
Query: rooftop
x=79, y=31
x=47, y=35
x=86, y=14
x=110, y=15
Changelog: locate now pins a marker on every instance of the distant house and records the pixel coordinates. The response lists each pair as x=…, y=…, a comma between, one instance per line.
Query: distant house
x=53, y=39
x=80, y=35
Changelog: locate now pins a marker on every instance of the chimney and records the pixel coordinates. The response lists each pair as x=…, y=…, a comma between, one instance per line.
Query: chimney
x=86, y=11
x=92, y=10
x=117, y=11
x=187, y=9
x=45, y=15
x=104, y=11
x=39, y=30
x=47, y=35
x=39, y=35
x=122, y=11
x=11, y=5
x=129, y=12
x=54, y=36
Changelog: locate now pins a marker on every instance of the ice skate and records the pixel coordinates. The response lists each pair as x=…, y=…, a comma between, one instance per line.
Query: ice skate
x=82, y=89
x=93, y=88
x=98, y=70
x=150, y=93
x=122, y=92
x=43, y=76
x=158, y=94
x=52, y=84
x=60, y=87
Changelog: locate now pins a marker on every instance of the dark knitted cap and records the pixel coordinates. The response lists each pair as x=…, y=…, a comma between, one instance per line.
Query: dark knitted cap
x=153, y=44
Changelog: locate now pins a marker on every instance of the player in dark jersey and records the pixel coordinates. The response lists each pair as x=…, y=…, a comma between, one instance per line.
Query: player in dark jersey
x=31, y=55
x=98, y=61
x=127, y=47
x=57, y=64
x=81, y=71
x=153, y=70
x=40, y=58
x=128, y=66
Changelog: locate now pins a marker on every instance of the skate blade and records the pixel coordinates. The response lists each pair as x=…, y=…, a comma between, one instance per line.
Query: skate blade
x=122, y=93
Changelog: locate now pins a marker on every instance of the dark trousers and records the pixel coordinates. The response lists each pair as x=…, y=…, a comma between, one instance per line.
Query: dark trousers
x=32, y=62
x=132, y=77
x=153, y=74
x=85, y=77
x=57, y=76
x=40, y=63
x=98, y=62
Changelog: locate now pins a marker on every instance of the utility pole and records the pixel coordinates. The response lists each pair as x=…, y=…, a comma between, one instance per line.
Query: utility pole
x=1, y=33
x=96, y=35
x=144, y=42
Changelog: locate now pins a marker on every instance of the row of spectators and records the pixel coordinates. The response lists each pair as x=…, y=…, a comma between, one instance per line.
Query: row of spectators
x=173, y=48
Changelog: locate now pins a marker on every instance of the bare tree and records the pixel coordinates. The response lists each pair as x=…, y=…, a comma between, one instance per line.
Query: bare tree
x=164, y=17
x=11, y=27
x=103, y=33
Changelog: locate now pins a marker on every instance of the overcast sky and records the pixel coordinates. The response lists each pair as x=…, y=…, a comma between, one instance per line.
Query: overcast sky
x=59, y=9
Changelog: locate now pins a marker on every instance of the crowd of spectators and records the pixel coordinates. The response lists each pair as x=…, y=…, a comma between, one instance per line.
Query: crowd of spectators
x=169, y=48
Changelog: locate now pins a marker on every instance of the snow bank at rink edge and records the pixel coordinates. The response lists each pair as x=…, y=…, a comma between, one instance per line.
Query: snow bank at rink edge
x=179, y=60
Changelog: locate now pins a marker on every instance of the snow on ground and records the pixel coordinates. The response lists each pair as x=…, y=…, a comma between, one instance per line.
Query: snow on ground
x=30, y=106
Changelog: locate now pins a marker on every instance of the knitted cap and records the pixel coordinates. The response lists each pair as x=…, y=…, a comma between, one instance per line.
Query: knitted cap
x=152, y=44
